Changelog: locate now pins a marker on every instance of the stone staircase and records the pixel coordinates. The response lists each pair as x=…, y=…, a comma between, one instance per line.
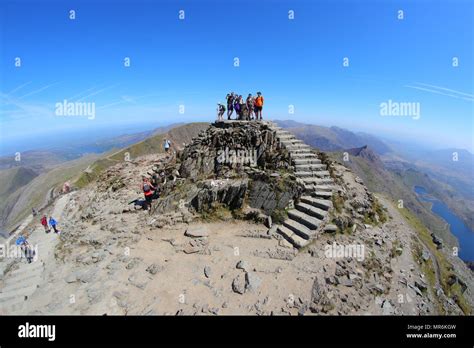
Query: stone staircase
x=18, y=285
x=309, y=216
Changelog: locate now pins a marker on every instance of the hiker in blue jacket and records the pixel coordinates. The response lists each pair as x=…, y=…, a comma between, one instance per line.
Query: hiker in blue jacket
x=53, y=224
x=26, y=248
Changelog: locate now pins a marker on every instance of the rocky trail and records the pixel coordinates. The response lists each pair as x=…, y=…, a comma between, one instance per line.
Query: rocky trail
x=23, y=279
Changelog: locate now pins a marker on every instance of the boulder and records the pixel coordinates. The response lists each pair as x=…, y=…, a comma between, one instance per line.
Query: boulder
x=252, y=281
x=154, y=268
x=207, y=271
x=244, y=265
x=320, y=302
x=196, y=232
x=238, y=284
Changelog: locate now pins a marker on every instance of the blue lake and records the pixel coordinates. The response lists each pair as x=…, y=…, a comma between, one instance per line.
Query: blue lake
x=458, y=228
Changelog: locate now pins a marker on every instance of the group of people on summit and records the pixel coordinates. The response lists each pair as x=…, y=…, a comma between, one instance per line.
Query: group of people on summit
x=246, y=110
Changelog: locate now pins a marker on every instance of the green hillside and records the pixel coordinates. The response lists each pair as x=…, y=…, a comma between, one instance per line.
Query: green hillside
x=17, y=206
x=152, y=145
x=13, y=178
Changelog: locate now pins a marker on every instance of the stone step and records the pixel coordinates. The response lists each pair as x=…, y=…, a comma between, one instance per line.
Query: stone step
x=322, y=174
x=298, y=161
x=284, y=134
x=27, y=268
x=287, y=140
x=292, y=237
x=13, y=286
x=301, y=230
x=330, y=228
x=310, y=210
x=324, y=204
x=12, y=282
x=305, y=155
x=297, y=150
x=311, y=222
x=286, y=137
x=27, y=291
x=322, y=194
x=12, y=306
x=310, y=167
x=293, y=144
x=317, y=181
x=326, y=188
x=318, y=174
x=303, y=173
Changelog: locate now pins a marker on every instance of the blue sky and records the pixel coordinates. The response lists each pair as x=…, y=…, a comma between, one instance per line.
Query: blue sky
x=190, y=62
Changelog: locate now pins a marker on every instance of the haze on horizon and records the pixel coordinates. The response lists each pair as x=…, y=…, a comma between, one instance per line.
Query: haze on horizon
x=179, y=68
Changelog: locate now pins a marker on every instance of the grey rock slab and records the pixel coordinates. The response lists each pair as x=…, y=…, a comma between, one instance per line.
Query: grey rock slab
x=196, y=232
x=252, y=281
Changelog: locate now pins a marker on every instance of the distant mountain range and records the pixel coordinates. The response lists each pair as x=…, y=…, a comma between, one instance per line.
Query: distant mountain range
x=333, y=138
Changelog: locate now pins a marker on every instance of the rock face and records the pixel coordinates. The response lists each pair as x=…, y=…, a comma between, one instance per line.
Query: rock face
x=267, y=194
x=228, y=164
x=231, y=193
x=232, y=146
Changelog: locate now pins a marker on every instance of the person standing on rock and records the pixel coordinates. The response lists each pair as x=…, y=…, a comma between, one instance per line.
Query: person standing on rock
x=249, y=101
x=258, y=106
x=53, y=224
x=230, y=104
x=237, y=107
x=149, y=191
x=167, y=145
x=44, y=222
x=220, y=112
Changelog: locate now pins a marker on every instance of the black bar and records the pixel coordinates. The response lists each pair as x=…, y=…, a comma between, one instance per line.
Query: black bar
x=224, y=330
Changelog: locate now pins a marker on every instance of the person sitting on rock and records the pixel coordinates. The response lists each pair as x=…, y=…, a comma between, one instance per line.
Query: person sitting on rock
x=148, y=191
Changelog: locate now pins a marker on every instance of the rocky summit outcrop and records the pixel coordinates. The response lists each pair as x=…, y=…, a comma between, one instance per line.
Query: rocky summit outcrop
x=234, y=165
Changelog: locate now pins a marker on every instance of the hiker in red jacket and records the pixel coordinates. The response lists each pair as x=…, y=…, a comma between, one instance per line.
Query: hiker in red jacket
x=44, y=222
x=148, y=191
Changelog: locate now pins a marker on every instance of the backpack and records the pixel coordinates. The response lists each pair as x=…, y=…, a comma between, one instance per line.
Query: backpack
x=259, y=101
x=146, y=187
